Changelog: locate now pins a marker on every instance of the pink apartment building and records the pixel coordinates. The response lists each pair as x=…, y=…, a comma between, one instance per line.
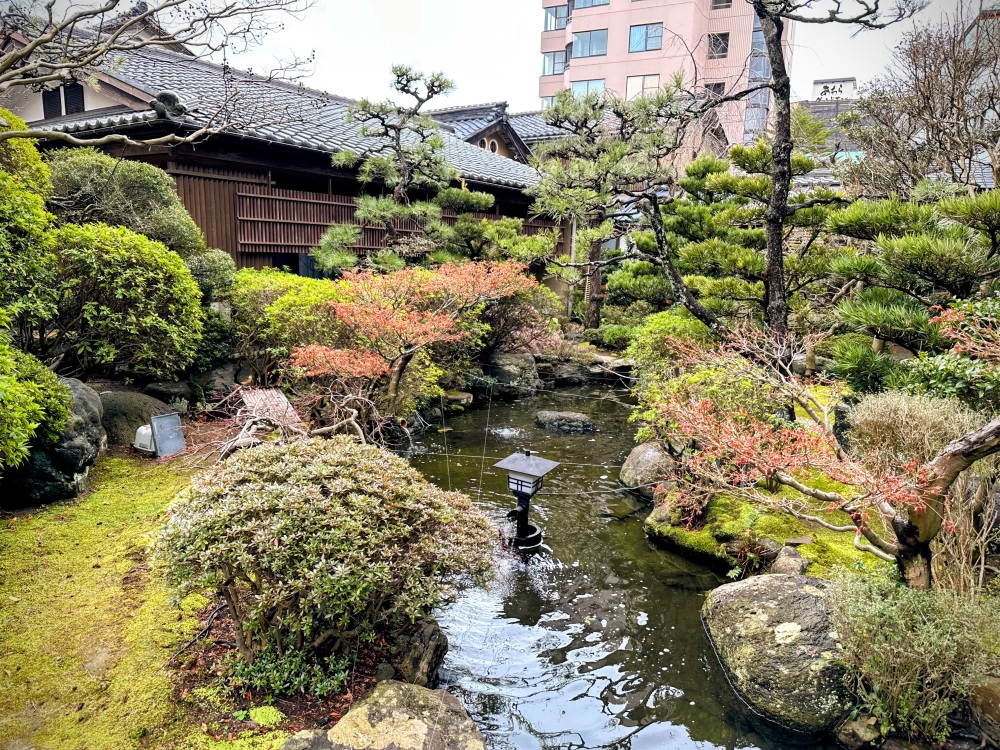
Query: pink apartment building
x=631, y=47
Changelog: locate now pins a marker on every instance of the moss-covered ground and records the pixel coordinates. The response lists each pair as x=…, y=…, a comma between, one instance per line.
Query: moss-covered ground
x=86, y=626
x=729, y=518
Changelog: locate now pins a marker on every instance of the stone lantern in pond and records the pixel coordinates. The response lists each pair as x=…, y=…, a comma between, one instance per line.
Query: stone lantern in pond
x=525, y=475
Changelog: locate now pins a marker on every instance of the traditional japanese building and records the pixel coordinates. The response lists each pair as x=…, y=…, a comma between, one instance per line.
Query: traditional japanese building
x=264, y=189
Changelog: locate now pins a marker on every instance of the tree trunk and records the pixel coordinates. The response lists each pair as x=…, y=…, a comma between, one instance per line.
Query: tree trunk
x=915, y=566
x=781, y=170
x=396, y=377
x=592, y=315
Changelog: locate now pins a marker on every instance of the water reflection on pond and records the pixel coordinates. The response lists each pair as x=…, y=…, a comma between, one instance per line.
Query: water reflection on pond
x=596, y=642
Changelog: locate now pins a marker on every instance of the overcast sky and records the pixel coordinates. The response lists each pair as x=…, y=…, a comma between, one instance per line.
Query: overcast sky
x=491, y=49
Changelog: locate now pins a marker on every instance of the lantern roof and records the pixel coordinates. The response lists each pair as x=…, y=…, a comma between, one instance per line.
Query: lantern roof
x=526, y=463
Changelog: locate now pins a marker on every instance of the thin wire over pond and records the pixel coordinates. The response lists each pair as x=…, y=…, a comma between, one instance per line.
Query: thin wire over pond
x=597, y=642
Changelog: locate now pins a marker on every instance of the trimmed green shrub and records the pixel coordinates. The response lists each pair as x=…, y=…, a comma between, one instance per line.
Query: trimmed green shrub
x=973, y=381
x=19, y=156
x=913, y=656
x=217, y=345
x=25, y=262
x=214, y=271
x=33, y=403
x=275, y=311
x=317, y=544
x=90, y=186
x=122, y=302
x=650, y=346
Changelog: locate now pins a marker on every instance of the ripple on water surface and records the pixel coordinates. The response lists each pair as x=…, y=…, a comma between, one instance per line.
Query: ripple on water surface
x=597, y=642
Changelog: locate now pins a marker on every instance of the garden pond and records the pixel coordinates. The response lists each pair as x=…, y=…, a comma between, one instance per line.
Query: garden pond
x=595, y=642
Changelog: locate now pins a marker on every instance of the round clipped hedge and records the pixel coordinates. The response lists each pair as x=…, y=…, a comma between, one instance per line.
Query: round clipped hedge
x=315, y=544
x=91, y=186
x=124, y=302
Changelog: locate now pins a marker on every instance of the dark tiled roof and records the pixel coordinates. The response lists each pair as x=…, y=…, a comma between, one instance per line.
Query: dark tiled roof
x=274, y=111
x=532, y=128
x=469, y=120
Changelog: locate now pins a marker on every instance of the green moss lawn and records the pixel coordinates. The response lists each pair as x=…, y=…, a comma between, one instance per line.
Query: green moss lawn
x=86, y=626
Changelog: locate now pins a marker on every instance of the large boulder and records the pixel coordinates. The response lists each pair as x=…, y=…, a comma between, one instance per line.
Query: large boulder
x=647, y=464
x=58, y=470
x=397, y=716
x=515, y=374
x=125, y=412
x=823, y=364
x=775, y=638
x=565, y=421
x=420, y=651
x=570, y=373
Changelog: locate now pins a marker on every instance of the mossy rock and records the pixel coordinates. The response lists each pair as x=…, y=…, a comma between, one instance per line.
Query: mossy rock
x=125, y=412
x=777, y=642
x=728, y=518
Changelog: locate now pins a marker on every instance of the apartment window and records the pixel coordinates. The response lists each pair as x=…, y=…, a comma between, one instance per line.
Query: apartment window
x=548, y=101
x=590, y=43
x=715, y=90
x=554, y=63
x=589, y=3
x=636, y=86
x=73, y=96
x=760, y=68
x=582, y=88
x=722, y=4
x=718, y=46
x=555, y=18
x=645, y=38
x=757, y=43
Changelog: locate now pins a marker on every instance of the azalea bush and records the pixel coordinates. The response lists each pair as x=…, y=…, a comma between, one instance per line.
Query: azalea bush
x=274, y=312
x=114, y=301
x=317, y=544
x=214, y=270
x=34, y=405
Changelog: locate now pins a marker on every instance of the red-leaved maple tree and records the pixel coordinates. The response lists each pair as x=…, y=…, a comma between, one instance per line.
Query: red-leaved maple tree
x=391, y=317
x=895, y=511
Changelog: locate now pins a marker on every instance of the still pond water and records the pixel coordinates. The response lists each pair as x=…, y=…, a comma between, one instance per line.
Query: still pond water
x=596, y=642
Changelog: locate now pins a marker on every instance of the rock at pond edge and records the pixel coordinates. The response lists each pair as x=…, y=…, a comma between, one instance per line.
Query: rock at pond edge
x=774, y=636
x=646, y=464
x=421, y=649
x=397, y=716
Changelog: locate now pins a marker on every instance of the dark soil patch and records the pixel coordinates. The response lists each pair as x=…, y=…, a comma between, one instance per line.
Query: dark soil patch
x=203, y=665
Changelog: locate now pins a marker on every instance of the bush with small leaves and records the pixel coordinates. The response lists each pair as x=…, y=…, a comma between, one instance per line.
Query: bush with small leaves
x=34, y=405
x=317, y=544
x=652, y=341
x=25, y=262
x=90, y=186
x=275, y=311
x=914, y=656
x=122, y=302
x=213, y=271
x=217, y=345
x=19, y=156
